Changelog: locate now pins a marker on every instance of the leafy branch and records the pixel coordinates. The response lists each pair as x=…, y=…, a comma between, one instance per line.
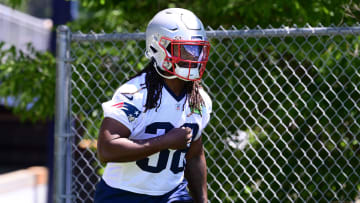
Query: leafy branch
x=28, y=78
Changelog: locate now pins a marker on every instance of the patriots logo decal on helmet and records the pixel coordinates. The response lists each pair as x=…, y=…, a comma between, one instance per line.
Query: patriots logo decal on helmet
x=130, y=110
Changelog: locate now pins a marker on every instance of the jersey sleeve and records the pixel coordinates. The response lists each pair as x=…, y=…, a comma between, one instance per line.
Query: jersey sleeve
x=123, y=107
x=206, y=111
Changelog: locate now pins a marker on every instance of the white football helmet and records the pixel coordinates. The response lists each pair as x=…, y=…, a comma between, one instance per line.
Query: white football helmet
x=176, y=41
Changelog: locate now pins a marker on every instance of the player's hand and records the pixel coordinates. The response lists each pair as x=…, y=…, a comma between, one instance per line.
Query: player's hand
x=178, y=138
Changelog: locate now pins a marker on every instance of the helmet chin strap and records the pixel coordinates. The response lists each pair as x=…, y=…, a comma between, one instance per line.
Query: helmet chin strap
x=162, y=75
x=167, y=76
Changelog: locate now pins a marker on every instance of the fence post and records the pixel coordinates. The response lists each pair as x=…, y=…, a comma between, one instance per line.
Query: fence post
x=62, y=145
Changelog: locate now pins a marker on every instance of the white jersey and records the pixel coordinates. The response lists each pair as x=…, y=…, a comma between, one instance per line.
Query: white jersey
x=162, y=171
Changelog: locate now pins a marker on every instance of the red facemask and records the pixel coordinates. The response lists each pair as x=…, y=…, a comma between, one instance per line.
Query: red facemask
x=188, y=57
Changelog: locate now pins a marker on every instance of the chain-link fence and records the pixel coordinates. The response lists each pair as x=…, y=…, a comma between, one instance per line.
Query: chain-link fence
x=286, y=115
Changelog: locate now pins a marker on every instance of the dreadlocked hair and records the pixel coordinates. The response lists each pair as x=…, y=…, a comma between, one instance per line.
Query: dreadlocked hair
x=154, y=84
x=193, y=96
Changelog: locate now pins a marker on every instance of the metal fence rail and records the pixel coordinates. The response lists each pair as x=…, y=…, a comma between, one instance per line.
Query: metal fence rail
x=286, y=115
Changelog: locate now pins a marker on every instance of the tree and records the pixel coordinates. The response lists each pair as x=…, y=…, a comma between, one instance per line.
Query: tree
x=129, y=16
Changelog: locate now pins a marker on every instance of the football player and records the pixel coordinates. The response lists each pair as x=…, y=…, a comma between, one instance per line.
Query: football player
x=150, y=136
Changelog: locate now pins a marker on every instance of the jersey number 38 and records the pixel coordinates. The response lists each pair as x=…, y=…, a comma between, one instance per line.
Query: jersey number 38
x=163, y=158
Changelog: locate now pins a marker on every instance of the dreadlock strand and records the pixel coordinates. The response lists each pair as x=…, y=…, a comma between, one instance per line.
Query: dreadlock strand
x=154, y=84
x=193, y=96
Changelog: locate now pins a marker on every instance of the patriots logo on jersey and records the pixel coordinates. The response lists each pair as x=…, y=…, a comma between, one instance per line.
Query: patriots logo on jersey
x=130, y=110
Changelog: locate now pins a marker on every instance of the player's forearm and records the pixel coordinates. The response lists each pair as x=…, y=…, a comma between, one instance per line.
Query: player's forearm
x=196, y=174
x=125, y=150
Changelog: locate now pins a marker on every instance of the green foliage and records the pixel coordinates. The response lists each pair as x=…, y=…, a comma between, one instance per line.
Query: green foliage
x=14, y=3
x=122, y=16
x=29, y=78
x=134, y=15
x=296, y=97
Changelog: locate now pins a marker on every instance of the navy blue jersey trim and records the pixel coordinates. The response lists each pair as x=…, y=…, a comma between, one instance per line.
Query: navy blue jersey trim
x=177, y=98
